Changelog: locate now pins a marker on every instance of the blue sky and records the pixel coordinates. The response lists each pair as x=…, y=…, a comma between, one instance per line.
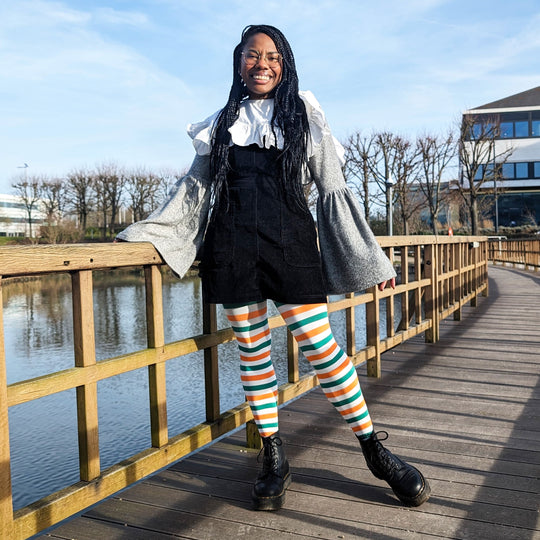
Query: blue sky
x=87, y=82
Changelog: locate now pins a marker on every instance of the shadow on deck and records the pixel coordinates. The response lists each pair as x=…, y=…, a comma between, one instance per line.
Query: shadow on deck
x=465, y=410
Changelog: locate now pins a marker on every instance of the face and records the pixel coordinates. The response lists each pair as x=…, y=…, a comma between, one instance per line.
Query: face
x=263, y=76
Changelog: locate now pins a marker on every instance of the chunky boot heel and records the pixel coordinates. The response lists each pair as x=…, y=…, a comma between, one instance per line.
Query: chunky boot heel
x=269, y=489
x=406, y=481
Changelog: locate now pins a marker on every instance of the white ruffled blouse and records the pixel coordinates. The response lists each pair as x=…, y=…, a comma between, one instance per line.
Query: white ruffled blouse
x=351, y=256
x=253, y=126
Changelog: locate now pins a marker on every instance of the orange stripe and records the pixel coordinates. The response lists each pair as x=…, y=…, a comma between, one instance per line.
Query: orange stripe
x=322, y=355
x=251, y=339
x=361, y=427
x=260, y=397
x=313, y=333
x=260, y=377
x=261, y=356
x=355, y=409
x=342, y=392
x=245, y=316
x=266, y=416
x=299, y=309
x=334, y=372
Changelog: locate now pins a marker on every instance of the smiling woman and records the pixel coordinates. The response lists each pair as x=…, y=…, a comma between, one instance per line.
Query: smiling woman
x=261, y=66
x=242, y=208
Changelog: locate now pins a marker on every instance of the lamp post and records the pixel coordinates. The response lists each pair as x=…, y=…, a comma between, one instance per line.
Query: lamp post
x=389, y=206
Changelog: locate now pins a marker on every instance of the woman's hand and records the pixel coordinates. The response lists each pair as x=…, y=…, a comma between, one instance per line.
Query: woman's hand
x=383, y=284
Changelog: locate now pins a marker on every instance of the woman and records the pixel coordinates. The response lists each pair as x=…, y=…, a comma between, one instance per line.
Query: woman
x=242, y=208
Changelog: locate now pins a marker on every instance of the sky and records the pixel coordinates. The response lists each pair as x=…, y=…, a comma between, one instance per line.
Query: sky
x=85, y=83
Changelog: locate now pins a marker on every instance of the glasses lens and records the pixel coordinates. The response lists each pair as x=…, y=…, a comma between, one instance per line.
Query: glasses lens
x=251, y=58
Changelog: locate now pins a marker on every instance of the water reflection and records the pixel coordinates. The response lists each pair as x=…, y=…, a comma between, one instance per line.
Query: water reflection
x=39, y=340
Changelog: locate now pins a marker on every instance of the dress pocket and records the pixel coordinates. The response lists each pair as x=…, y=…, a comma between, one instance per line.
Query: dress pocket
x=219, y=241
x=299, y=237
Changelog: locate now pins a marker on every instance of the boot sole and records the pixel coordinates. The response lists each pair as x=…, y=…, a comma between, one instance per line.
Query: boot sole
x=272, y=503
x=419, y=499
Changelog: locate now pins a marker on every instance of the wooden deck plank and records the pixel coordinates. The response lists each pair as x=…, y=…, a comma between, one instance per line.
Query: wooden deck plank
x=465, y=410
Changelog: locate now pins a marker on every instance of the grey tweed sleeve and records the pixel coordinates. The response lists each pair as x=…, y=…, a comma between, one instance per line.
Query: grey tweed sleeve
x=176, y=228
x=352, y=258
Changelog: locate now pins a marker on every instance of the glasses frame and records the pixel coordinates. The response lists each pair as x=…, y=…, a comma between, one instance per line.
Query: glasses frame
x=262, y=56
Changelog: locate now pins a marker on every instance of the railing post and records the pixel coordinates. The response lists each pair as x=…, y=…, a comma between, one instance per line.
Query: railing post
x=350, y=328
x=418, y=290
x=390, y=331
x=373, y=333
x=431, y=304
x=85, y=355
x=157, y=386
x=211, y=367
x=404, y=323
x=6, y=499
x=458, y=281
x=292, y=358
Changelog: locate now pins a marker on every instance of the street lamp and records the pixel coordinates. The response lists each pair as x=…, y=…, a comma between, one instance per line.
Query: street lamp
x=389, y=206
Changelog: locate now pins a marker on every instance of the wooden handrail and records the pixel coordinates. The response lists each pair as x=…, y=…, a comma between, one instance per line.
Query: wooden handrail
x=438, y=276
x=517, y=253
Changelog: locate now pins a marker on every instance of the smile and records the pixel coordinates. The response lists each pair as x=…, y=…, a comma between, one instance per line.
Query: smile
x=261, y=77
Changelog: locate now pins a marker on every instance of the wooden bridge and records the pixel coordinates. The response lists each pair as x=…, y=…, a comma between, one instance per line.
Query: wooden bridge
x=458, y=397
x=466, y=410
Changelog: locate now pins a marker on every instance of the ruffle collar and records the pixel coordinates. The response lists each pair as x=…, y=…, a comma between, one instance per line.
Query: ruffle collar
x=253, y=127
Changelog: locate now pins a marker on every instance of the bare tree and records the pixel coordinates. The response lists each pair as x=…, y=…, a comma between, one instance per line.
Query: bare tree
x=405, y=167
x=360, y=157
x=28, y=190
x=436, y=154
x=481, y=160
x=109, y=183
x=54, y=197
x=141, y=187
x=80, y=194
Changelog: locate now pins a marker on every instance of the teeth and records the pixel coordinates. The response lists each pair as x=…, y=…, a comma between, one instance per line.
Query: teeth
x=261, y=77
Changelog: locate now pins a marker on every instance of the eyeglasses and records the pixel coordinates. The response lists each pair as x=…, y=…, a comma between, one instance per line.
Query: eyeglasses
x=251, y=58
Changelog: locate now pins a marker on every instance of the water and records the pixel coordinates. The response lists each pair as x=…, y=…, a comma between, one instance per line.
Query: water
x=38, y=340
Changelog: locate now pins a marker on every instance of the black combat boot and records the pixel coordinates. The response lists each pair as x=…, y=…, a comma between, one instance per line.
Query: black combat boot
x=407, y=482
x=269, y=489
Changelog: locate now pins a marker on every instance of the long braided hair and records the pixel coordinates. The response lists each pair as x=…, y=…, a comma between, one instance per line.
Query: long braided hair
x=289, y=116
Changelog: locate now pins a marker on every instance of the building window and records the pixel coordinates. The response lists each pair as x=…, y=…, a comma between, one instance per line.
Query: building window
x=535, y=123
x=521, y=128
x=522, y=170
x=537, y=169
x=507, y=130
x=479, y=173
x=508, y=171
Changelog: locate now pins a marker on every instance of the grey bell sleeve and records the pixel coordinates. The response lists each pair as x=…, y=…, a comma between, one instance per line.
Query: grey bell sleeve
x=176, y=228
x=351, y=256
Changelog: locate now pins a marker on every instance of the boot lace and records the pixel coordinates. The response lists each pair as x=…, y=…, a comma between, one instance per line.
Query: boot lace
x=384, y=456
x=270, y=458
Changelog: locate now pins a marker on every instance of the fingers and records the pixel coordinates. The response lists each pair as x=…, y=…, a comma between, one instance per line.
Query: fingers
x=392, y=282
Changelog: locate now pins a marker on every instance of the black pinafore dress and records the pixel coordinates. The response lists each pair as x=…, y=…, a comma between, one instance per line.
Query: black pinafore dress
x=258, y=246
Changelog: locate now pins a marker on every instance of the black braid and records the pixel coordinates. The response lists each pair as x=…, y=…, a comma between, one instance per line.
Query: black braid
x=289, y=116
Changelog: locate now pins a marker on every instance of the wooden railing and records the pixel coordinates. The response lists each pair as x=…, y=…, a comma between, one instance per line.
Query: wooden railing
x=518, y=253
x=437, y=276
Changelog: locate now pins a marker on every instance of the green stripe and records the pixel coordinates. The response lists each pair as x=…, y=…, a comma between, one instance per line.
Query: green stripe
x=303, y=322
x=250, y=327
x=262, y=407
x=317, y=345
x=258, y=386
x=347, y=400
x=258, y=367
x=356, y=419
x=263, y=345
x=264, y=424
x=338, y=381
x=335, y=360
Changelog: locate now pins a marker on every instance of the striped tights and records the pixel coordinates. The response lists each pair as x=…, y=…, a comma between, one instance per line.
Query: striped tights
x=310, y=326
